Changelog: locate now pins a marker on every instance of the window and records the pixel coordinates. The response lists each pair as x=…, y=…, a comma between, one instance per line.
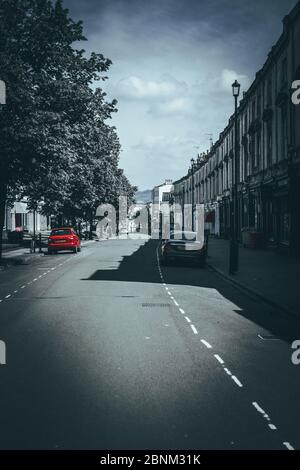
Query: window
x=245, y=123
x=59, y=232
x=252, y=151
x=259, y=105
x=269, y=144
x=253, y=109
x=258, y=146
x=283, y=132
x=269, y=92
x=284, y=71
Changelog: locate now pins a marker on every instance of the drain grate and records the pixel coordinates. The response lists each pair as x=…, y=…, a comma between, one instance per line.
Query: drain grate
x=268, y=337
x=151, y=305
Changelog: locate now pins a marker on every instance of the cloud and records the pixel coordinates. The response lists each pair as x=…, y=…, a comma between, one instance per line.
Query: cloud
x=136, y=88
x=229, y=76
x=151, y=142
x=173, y=66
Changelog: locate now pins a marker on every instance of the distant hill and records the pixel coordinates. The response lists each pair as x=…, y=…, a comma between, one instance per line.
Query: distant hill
x=143, y=196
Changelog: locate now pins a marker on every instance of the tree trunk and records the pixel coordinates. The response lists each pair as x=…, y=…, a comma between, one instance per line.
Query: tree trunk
x=91, y=226
x=3, y=198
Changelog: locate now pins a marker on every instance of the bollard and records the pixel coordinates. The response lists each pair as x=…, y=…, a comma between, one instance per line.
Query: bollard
x=40, y=242
x=32, y=245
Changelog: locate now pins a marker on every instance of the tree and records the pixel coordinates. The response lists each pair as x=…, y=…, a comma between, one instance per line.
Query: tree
x=55, y=143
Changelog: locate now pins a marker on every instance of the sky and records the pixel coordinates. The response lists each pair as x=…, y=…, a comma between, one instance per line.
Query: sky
x=173, y=65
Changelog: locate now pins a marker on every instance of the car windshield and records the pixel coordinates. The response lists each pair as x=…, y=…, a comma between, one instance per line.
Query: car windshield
x=61, y=231
x=185, y=235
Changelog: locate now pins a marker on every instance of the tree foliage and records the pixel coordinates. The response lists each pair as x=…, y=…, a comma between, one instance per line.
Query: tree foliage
x=56, y=145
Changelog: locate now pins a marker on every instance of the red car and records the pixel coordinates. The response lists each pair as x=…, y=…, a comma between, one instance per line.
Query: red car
x=64, y=238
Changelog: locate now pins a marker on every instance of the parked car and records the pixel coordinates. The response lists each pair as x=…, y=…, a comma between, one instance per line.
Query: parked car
x=183, y=246
x=64, y=238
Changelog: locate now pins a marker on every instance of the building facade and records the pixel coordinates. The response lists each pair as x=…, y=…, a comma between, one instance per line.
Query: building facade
x=161, y=194
x=19, y=218
x=268, y=154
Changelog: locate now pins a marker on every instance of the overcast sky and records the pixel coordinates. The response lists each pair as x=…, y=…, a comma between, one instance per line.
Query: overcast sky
x=173, y=65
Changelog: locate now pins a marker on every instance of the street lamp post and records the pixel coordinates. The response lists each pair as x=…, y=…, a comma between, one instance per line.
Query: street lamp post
x=234, y=246
x=182, y=206
x=193, y=201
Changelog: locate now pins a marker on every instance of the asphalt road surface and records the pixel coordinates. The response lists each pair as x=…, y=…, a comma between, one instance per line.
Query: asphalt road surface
x=108, y=350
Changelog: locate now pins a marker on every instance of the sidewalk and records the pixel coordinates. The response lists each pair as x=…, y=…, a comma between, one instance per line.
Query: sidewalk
x=272, y=277
x=18, y=255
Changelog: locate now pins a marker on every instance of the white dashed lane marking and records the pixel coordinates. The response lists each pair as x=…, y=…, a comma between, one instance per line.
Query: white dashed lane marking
x=220, y=360
x=195, y=331
x=206, y=343
x=236, y=380
x=288, y=446
x=8, y=296
x=265, y=416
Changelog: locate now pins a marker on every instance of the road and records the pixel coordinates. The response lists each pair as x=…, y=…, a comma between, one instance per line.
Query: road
x=108, y=350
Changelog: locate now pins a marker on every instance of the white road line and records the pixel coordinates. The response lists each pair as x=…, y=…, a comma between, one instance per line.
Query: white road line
x=169, y=293
x=164, y=284
x=8, y=296
x=272, y=426
x=23, y=287
x=188, y=320
x=206, y=343
x=194, y=329
x=219, y=359
x=259, y=409
x=288, y=446
x=182, y=311
x=176, y=303
x=236, y=380
x=15, y=291
x=227, y=371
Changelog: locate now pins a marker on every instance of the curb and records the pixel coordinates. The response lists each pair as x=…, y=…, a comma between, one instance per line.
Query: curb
x=254, y=292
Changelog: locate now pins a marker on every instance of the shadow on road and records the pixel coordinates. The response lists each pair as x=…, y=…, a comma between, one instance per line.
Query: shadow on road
x=141, y=266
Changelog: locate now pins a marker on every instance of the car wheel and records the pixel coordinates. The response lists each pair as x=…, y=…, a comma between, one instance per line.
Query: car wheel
x=75, y=250
x=79, y=249
x=50, y=252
